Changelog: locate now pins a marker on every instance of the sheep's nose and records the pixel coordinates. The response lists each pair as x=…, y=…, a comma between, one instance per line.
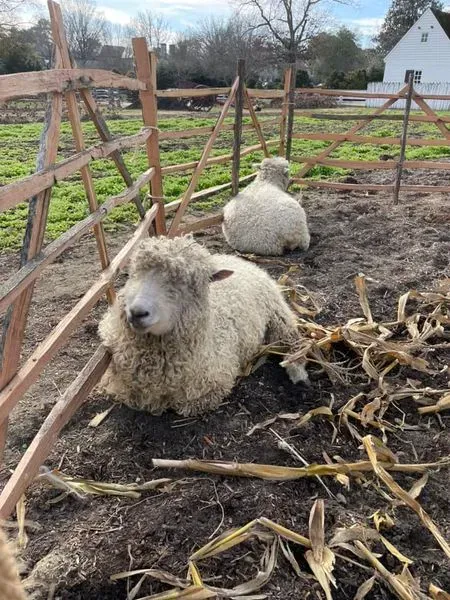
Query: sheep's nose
x=137, y=315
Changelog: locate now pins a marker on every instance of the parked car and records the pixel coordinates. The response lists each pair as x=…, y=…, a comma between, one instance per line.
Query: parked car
x=101, y=94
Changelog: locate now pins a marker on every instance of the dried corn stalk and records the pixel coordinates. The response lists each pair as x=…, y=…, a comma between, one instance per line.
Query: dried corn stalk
x=401, y=494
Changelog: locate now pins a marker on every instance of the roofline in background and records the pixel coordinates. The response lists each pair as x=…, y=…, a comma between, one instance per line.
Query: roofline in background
x=400, y=40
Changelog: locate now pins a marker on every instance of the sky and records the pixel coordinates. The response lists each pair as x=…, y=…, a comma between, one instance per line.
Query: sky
x=364, y=16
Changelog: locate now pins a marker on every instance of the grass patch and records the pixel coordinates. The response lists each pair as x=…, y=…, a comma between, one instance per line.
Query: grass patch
x=19, y=145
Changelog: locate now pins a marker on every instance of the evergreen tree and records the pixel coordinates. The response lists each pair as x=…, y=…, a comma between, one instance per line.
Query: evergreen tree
x=400, y=17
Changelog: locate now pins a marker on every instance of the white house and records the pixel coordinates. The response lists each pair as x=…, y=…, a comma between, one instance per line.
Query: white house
x=424, y=49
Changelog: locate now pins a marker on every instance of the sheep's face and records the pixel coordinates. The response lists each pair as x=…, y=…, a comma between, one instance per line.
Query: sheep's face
x=151, y=303
x=168, y=284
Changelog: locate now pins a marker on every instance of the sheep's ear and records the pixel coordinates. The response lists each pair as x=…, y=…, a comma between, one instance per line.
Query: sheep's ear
x=222, y=274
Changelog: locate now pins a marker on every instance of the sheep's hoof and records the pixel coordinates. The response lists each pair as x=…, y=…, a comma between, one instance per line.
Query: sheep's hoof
x=297, y=373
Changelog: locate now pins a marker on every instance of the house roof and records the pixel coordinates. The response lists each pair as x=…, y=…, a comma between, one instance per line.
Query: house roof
x=444, y=20
x=109, y=51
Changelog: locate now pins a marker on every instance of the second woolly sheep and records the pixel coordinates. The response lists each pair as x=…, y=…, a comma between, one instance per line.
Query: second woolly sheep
x=264, y=218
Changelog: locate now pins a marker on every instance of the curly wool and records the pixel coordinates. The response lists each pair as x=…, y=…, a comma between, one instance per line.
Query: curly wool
x=221, y=325
x=10, y=585
x=264, y=219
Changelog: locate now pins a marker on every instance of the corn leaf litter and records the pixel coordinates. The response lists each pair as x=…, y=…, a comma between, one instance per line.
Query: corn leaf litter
x=378, y=347
x=345, y=535
x=401, y=494
x=401, y=587
x=320, y=558
x=100, y=417
x=298, y=418
x=365, y=588
x=281, y=473
x=437, y=594
x=442, y=404
x=22, y=537
x=83, y=487
x=382, y=520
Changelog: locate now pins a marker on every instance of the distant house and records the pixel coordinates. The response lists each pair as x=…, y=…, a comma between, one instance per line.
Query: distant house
x=424, y=49
x=111, y=58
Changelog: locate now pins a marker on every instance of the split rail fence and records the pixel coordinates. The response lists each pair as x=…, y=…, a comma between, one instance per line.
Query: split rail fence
x=362, y=120
x=67, y=83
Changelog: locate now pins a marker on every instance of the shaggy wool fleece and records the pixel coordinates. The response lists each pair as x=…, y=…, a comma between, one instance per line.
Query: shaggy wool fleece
x=218, y=326
x=264, y=219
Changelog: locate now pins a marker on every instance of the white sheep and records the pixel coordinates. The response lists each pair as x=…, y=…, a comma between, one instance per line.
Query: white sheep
x=186, y=323
x=264, y=218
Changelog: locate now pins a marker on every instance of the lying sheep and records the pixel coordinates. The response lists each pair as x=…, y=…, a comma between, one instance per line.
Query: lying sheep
x=263, y=218
x=185, y=325
x=10, y=585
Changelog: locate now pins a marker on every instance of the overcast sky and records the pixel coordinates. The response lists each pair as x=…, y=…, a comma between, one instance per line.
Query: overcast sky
x=365, y=17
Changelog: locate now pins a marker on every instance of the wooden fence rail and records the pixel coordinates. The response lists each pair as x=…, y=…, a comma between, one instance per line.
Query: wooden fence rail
x=66, y=82
x=13, y=194
x=324, y=158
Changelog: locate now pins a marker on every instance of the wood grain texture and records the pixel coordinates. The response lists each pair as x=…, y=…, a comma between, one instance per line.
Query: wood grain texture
x=146, y=65
x=60, y=81
x=57, y=26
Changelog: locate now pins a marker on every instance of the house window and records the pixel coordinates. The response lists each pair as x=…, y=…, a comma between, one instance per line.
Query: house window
x=417, y=76
x=424, y=37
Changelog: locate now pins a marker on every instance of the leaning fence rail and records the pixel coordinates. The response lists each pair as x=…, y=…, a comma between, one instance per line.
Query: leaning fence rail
x=68, y=85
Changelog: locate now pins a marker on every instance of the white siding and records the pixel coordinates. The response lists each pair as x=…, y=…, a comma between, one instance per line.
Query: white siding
x=423, y=88
x=431, y=57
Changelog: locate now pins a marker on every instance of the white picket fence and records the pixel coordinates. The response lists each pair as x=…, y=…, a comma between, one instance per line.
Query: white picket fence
x=422, y=88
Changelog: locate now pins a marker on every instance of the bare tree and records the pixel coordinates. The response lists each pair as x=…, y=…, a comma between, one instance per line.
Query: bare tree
x=152, y=26
x=10, y=11
x=221, y=42
x=86, y=28
x=290, y=25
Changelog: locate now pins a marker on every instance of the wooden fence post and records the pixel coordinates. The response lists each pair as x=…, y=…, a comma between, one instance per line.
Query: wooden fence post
x=146, y=71
x=404, y=137
x=291, y=108
x=238, y=111
x=16, y=317
x=284, y=111
x=59, y=37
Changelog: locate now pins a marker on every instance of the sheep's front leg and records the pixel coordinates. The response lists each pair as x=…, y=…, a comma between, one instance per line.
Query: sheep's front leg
x=282, y=328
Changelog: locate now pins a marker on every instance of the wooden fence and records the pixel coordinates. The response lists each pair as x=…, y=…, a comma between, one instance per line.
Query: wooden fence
x=67, y=83
x=407, y=93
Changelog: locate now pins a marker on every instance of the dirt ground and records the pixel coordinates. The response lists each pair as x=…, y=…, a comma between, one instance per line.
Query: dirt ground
x=77, y=544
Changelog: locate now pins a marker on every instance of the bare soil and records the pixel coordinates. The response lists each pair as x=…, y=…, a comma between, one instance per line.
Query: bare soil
x=80, y=543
